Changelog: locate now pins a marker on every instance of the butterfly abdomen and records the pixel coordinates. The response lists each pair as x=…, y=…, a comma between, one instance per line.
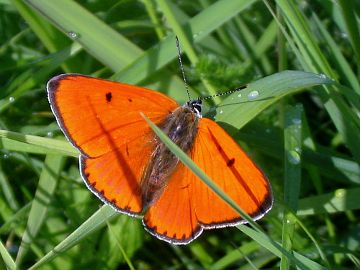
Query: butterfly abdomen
x=181, y=127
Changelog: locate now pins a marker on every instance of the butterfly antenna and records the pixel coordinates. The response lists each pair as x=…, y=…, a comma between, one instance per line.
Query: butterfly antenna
x=182, y=67
x=225, y=93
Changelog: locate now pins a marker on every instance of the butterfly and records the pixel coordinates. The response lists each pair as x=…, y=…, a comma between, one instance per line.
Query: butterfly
x=126, y=165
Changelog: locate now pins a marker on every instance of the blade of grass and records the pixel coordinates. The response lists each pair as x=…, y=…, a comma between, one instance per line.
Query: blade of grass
x=119, y=245
x=44, y=193
x=35, y=144
x=346, y=70
x=338, y=201
x=49, y=36
x=104, y=43
x=7, y=260
x=299, y=260
x=199, y=27
x=240, y=107
x=314, y=60
x=96, y=221
x=14, y=219
x=292, y=175
x=347, y=9
x=7, y=190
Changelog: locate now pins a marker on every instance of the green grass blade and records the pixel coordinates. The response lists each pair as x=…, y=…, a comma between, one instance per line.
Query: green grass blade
x=165, y=51
x=242, y=106
x=348, y=8
x=35, y=144
x=338, y=201
x=6, y=260
x=44, y=193
x=292, y=172
x=299, y=260
x=104, y=43
x=96, y=221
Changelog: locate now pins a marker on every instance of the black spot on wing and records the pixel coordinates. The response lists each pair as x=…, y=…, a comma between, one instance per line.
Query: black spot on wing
x=129, y=99
x=108, y=96
x=230, y=162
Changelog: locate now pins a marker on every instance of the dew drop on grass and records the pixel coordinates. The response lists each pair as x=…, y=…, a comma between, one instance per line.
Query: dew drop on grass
x=73, y=35
x=253, y=95
x=11, y=99
x=294, y=157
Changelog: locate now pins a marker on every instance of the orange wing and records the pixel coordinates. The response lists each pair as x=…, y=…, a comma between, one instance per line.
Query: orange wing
x=173, y=217
x=102, y=119
x=188, y=206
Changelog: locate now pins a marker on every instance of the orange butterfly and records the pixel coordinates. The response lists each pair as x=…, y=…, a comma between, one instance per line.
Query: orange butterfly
x=124, y=163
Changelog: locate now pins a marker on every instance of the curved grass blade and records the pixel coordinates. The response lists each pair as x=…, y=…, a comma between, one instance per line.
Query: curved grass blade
x=242, y=106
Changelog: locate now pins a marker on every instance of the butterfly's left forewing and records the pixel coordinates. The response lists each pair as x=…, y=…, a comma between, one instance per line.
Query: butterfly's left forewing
x=103, y=120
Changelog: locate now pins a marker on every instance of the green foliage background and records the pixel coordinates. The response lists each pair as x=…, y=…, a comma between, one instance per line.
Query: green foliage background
x=303, y=128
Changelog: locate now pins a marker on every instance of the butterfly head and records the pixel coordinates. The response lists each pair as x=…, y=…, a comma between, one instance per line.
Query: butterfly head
x=195, y=106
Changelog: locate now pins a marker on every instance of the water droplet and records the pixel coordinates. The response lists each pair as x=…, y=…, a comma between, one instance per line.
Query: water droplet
x=73, y=35
x=294, y=157
x=6, y=156
x=11, y=99
x=50, y=134
x=340, y=193
x=221, y=111
x=344, y=35
x=253, y=95
x=239, y=95
x=296, y=121
x=322, y=76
